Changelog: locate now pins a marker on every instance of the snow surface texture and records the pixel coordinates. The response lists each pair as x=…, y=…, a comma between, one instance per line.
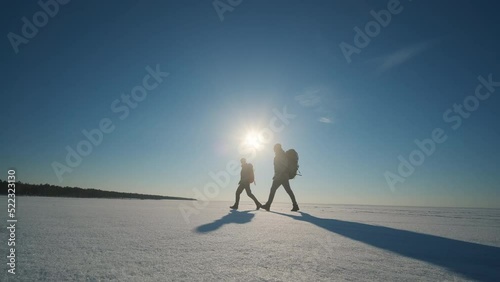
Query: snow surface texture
x=63, y=239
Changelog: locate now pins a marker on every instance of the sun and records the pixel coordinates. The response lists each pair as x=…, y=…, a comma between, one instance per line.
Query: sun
x=252, y=140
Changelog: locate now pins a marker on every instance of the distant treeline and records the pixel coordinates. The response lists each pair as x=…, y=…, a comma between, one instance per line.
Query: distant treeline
x=26, y=189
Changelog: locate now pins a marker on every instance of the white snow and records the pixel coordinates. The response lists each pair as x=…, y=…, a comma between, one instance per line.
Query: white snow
x=64, y=239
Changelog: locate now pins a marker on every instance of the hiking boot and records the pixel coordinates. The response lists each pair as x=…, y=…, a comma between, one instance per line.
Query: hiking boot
x=295, y=208
x=266, y=207
x=234, y=207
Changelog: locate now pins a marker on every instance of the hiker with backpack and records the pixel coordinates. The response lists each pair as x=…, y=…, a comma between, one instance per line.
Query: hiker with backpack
x=247, y=177
x=285, y=168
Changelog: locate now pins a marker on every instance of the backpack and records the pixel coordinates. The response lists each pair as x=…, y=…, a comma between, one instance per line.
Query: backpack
x=293, y=163
x=251, y=176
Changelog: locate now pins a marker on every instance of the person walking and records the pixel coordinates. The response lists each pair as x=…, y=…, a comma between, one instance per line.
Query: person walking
x=247, y=177
x=281, y=177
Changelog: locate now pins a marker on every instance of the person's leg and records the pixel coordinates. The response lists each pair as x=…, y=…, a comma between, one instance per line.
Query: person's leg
x=238, y=192
x=249, y=193
x=288, y=189
x=274, y=187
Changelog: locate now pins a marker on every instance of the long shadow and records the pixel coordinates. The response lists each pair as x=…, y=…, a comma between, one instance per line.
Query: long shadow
x=475, y=261
x=233, y=216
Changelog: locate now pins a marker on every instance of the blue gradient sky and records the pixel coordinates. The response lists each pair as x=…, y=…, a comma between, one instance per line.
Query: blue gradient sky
x=226, y=77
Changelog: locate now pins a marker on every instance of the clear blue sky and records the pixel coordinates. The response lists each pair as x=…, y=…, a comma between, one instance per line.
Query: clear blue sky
x=352, y=120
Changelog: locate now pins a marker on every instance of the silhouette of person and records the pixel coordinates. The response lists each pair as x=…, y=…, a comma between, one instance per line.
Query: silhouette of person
x=244, y=184
x=281, y=177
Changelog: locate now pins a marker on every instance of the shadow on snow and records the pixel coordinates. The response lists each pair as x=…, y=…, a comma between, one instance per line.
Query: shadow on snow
x=475, y=261
x=234, y=216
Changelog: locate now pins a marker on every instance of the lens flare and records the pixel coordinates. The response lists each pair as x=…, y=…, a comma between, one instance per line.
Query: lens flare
x=252, y=140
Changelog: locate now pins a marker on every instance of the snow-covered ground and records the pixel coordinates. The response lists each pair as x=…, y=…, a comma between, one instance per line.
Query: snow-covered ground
x=62, y=239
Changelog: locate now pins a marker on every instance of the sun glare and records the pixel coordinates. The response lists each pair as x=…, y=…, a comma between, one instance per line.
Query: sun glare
x=252, y=140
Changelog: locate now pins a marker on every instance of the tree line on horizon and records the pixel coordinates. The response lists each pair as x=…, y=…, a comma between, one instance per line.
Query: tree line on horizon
x=47, y=190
